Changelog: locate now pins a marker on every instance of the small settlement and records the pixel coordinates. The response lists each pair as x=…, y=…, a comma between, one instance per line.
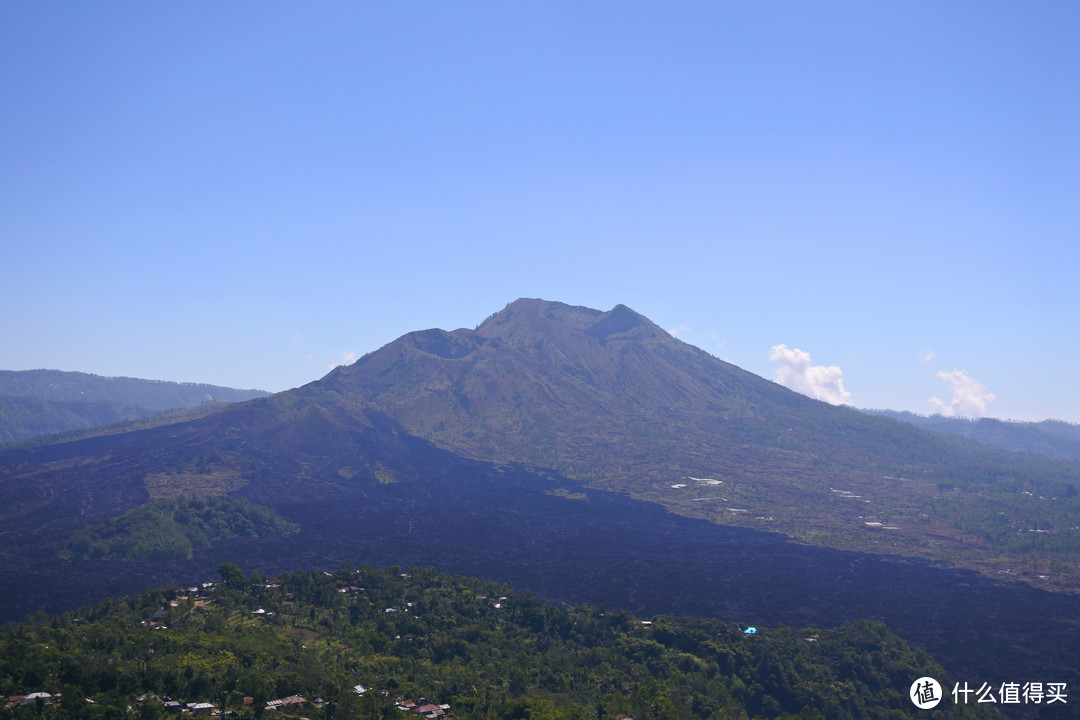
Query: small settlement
x=200, y=598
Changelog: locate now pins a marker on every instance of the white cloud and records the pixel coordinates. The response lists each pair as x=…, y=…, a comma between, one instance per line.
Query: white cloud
x=970, y=397
x=348, y=357
x=926, y=356
x=705, y=342
x=795, y=371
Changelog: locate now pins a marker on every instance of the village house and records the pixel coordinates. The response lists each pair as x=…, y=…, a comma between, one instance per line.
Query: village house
x=291, y=700
x=20, y=700
x=423, y=707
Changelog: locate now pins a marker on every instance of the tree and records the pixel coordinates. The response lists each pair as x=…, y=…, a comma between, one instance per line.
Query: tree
x=231, y=575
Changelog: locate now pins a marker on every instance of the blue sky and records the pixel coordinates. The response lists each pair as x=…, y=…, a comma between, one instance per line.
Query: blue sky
x=246, y=194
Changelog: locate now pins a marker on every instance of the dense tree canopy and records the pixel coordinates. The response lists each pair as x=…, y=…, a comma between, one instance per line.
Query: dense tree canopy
x=171, y=529
x=472, y=644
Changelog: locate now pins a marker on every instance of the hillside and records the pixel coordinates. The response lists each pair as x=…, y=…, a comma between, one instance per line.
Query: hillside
x=367, y=643
x=46, y=402
x=613, y=400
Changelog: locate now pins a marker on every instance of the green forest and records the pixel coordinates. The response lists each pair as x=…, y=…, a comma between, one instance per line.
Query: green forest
x=243, y=642
x=171, y=529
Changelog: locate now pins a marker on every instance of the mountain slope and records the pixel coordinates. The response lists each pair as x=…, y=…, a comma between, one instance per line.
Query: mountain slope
x=612, y=399
x=609, y=399
x=539, y=372
x=556, y=385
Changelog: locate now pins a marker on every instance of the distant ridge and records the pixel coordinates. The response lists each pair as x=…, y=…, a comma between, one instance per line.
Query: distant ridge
x=44, y=402
x=1052, y=438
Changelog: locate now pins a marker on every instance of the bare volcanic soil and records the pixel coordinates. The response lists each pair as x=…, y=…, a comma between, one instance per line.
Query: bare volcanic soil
x=608, y=549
